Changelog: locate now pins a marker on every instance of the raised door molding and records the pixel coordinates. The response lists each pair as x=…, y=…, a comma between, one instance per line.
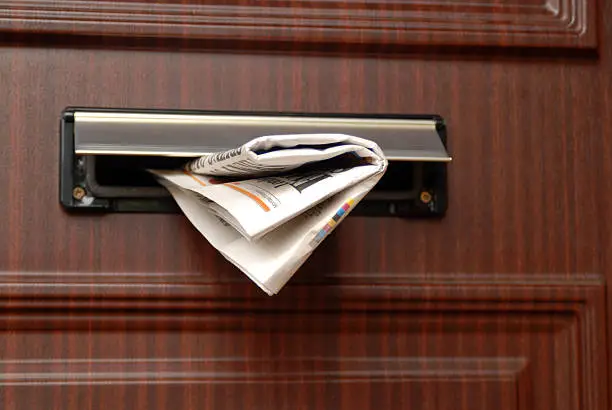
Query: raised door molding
x=543, y=23
x=418, y=341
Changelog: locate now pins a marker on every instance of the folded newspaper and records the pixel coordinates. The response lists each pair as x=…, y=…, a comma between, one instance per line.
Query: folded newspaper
x=268, y=204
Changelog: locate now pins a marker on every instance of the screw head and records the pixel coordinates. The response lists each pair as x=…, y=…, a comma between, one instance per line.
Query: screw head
x=426, y=197
x=78, y=193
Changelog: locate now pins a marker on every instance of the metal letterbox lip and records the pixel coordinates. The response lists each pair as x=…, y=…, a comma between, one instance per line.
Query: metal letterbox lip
x=192, y=135
x=105, y=152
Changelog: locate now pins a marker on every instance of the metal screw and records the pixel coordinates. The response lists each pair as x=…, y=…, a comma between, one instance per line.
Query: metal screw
x=426, y=197
x=78, y=193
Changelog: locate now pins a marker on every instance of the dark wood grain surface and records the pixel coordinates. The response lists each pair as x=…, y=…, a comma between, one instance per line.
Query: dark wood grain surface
x=502, y=304
x=569, y=23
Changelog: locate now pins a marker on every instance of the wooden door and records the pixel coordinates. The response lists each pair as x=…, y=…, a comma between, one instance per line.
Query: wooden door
x=500, y=305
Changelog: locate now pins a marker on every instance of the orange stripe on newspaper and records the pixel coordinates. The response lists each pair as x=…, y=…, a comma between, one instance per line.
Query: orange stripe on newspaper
x=196, y=179
x=255, y=198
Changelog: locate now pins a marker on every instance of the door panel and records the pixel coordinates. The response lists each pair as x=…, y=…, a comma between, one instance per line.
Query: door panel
x=570, y=23
x=524, y=201
x=523, y=345
x=501, y=304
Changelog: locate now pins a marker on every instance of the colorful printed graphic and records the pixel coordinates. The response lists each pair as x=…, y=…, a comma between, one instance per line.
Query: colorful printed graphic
x=344, y=209
x=258, y=201
x=232, y=185
x=210, y=180
x=196, y=179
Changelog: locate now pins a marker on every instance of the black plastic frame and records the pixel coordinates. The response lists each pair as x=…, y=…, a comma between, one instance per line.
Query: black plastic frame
x=74, y=172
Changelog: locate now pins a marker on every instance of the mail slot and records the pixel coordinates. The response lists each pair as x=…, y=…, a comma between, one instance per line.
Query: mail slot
x=105, y=154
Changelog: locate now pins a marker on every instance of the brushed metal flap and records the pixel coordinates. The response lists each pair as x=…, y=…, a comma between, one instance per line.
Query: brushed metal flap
x=192, y=135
